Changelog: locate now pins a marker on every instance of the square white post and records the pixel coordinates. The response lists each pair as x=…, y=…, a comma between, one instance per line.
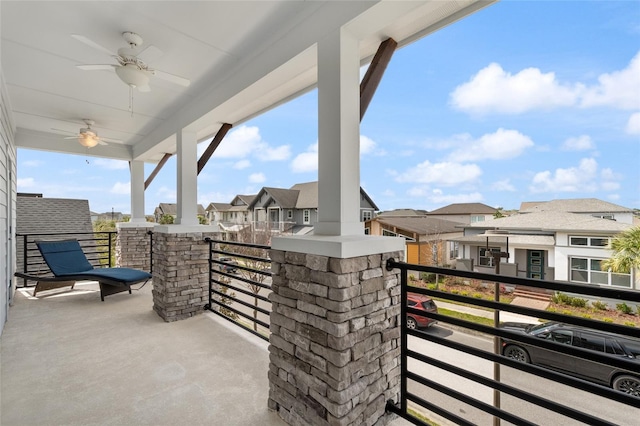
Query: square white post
x=187, y=178
x=137, y=191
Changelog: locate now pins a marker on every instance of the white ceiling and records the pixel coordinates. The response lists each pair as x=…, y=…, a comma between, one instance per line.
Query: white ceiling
x=241, y=57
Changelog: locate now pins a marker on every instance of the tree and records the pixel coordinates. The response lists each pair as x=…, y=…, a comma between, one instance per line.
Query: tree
x=498, y=214
x=626, y=252
x=166, y=219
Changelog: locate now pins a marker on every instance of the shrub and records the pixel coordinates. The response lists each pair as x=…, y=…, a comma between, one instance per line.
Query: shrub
x=598, y=305
x=464, y=293
x=561, y=299
x=552, y=310
x=428, y=277
x=630, y=324
x=578, y=302
x=607, y=319
x=412, y=277
x=567, y=312
x=587, y=316
x=454, y=292
x=624, y=308
x=432, y=287
x=477, y=295
x=638, y=309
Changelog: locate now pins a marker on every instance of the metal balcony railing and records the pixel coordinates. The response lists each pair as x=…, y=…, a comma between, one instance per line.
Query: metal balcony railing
x=99, y=247
x=423, y=393
x=238, y=272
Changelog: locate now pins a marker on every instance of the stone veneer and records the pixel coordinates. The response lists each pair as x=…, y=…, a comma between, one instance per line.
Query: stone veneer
x=180, y=274
x=133, y=247
x=334, y=345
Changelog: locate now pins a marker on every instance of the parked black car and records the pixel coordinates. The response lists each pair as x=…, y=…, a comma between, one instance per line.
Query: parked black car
x=230, y=265
x=627, y=381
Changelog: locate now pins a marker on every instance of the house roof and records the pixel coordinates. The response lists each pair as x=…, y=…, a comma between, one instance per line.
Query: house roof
x=299, y=196
x=285, y=198
x=553, y=221
x=422, y=225
x=308, y=195
x=464, y=208
x=221, y=207
x=403, y=212
x=47, y=215
x=245, y=199
x=576, y=205
x=172, y=209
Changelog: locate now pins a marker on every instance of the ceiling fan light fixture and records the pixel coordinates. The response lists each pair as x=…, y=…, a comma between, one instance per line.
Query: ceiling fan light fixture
x=132, y=75
x=88, y=139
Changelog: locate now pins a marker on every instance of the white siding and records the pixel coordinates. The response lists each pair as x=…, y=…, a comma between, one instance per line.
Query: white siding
x=7, y=204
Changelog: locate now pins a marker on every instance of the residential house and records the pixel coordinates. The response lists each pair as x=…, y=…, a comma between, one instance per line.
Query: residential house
x=427, y=238
x=297, y=207
x=402, y=213
x=464, y=212
x=171, y=209
x=215, y=211
x=547, y=242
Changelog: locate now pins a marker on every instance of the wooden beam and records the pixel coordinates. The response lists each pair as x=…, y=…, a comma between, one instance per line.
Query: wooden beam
x=213, y=145
x=156, y=170
x=375, y=72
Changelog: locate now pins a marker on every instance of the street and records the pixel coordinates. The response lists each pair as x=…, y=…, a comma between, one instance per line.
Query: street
x=614, y=412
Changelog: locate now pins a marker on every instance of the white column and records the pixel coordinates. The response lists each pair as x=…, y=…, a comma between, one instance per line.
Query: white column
x=338, y=136
x=137, y=191
x=187, y=158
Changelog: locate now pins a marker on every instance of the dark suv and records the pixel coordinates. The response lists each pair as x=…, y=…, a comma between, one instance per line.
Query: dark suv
x=423, y=303
x=229, y=266
x=627, y=381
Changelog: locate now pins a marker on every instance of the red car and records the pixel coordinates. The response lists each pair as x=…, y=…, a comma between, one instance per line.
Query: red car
x=423, y=303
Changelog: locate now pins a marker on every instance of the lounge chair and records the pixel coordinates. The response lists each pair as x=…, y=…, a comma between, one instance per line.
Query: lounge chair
x=68, y=264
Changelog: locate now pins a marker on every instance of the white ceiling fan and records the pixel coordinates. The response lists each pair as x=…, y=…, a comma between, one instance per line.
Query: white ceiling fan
x=87, y=136
x=132, y=67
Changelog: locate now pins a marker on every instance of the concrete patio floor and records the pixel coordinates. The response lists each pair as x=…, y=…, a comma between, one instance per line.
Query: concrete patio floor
x=68, y=358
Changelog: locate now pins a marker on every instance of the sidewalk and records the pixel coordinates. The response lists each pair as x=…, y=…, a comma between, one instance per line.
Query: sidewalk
x=504, y=316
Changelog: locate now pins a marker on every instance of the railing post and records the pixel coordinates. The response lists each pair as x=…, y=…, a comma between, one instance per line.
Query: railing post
x=24, y=259
x=150, y=251
x=403, y=341
x=110, y=236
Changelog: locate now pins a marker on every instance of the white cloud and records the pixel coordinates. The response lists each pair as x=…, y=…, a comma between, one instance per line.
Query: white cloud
x=257, y=178
x=633, y=125
x=493, y=90
x=438, y=197
x=166, y=195
x=368, y=146
x=445, y=173
x=242, y=164
x=121, y=188
x=111, y=164
x=307, y=161
x=388, y=193
x=619, y=89
x=32, y=163
x=580, y=143
x=246, y=141
x=573, y=179
x=503, y=185
x=501, y=145
x=25, y=183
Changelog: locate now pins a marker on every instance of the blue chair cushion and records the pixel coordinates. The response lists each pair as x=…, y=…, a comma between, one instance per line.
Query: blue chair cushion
x=123, y=275
x=64, y=257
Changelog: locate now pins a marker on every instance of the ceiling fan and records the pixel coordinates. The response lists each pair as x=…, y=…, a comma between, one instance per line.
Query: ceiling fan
x=132, y=67
x=87, y=136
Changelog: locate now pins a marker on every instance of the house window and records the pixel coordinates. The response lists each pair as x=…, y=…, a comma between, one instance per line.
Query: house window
x=604, y=216
x=367, y=231
x=306, y=216
x=454, y=247
x=485, y=257
x=586, y=241
x=477, y=218
x=289, y=214
x=588, y=270
x=366, y=215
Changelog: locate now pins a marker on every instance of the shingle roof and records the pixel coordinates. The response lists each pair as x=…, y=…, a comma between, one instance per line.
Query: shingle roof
x=402, y=213
x=47, y=215
x=285, y=198
x=172, y=209
x=308, y=195
x=221, y=207
x=246, y=199
x=422, y=225
x=577, y=205
x=464, y=208
x=553, y=221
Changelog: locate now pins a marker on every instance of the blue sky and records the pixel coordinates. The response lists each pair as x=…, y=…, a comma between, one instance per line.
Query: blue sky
x=522, y=101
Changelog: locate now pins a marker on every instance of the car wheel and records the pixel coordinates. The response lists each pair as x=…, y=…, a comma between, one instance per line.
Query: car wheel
x=627, y=384
x=411, y=323
x=517, y=353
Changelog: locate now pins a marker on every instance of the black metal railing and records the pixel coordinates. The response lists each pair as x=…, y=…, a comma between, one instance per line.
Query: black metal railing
x=423, y=390
x=99, y=247
x=238, y=272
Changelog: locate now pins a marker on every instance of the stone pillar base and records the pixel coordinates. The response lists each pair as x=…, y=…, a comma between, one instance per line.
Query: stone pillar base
x=334, y=345
x=133, y=245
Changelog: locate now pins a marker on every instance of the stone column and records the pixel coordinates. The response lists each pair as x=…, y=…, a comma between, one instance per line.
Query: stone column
x=133, y=245
x=180, y=271
x=334, y=352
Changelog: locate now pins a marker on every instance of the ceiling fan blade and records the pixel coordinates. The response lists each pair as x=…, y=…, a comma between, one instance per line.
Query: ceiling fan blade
x=102, y=142
x=144, y=88
x=71, y=137
x=171, y=78
x=95, y=67
x=150, y=54
x=92, y=43
x=65, y=131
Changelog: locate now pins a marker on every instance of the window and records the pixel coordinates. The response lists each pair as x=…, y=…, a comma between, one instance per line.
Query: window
x=561, y=336
x=306, y=216
x=477, y=218
x=587, y=270
x=589, y=241
x=367, y=231
x=289, y=214
x=366, y=215
x=454, y=248
x=486, y=256
x=590, y=341
x=604, y=216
